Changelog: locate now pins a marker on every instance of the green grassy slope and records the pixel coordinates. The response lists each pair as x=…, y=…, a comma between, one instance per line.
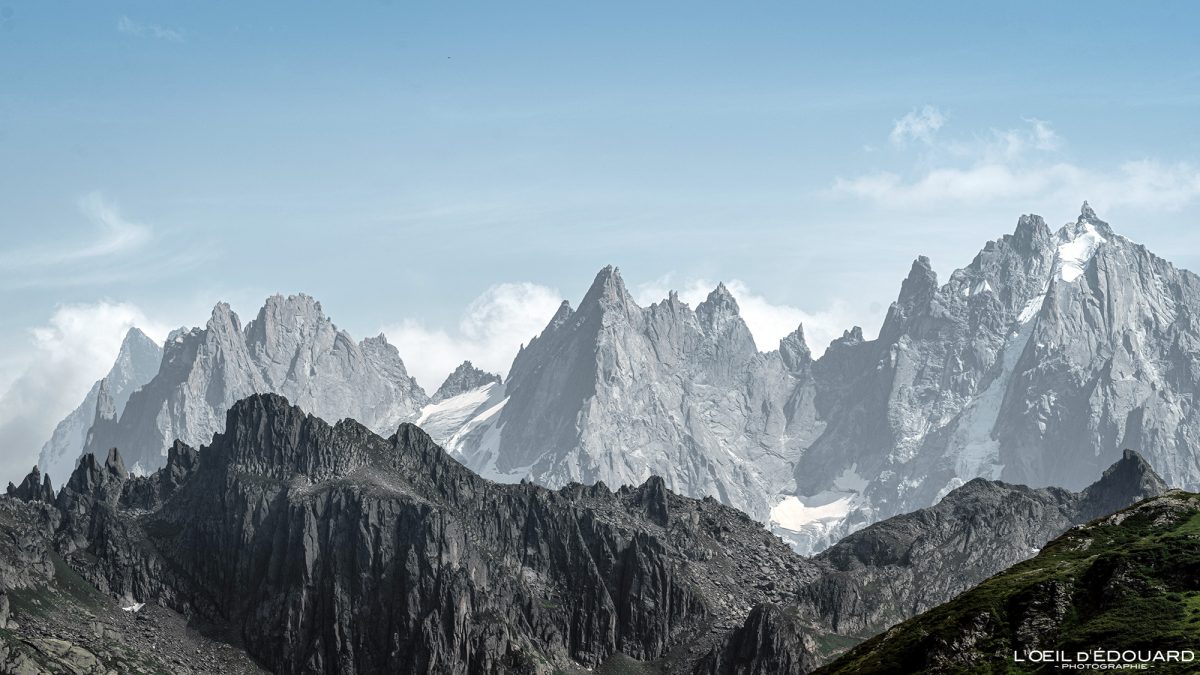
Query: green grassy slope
x=1129, y=581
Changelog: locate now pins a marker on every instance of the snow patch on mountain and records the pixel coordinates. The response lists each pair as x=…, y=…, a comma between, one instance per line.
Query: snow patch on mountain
x=1077, y=250
x=441, y=420
x=794, y=513
x=976, y=447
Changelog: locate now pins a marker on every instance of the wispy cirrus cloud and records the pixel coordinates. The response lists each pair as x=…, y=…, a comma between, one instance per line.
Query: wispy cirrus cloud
x=918, y=125
x=115, y=248
x=129, y=26
x=1022, y=164
x=114, y=235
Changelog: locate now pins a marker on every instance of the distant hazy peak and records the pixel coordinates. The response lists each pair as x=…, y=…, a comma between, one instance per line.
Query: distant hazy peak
x=464, y=378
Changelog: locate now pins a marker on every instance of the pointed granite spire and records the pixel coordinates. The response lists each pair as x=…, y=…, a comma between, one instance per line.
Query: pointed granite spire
x=794, y=350
x=608, y=291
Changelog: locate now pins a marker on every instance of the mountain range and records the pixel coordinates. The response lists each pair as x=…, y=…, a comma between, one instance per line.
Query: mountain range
x=294, y=545
x=1035, y=364
x=290, y=348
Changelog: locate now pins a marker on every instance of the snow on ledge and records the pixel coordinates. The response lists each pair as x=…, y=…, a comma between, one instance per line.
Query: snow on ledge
x=1073, y=255
x=794, y=513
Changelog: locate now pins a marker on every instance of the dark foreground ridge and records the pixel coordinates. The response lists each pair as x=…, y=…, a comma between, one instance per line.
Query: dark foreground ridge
x=1127, y=582
x=902, y=566
x=312, y=547
x=326, y=548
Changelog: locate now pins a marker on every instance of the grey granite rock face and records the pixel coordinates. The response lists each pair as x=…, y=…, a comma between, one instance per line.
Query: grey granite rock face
x=290, y=348
x=34, y=488
x=1035, y=364
x=615, y=392
x=136, y=364
x=464, y=378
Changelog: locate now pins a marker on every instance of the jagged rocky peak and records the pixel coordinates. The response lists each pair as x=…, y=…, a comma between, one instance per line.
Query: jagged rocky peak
x=34, y=487
x=916, y=293
x=93, y=480
x=1087, y=216
x=719, y=300
x=794, y=351
x=224, y=321
x=563, y=313
x=291, y=319
x=139, y=355
x=920, y=285
x=334, y=525
x=1078, y=243
x=1032, y=233
x=136, y=364
x=652, y=496
x=268, y=436
x=608, y=292
x=106, y=408
x=464, y=378
x=852, y=336
x=1128, y=480
x=290, y=348
x=137, y=344
x=719, y=313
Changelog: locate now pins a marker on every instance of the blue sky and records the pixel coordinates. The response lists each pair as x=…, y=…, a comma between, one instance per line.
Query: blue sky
x=447, y=171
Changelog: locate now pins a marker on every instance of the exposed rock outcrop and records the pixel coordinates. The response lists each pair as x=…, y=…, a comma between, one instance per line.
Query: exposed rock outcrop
x=615, y=392
x=34, y=487
x=905, y=565
x=1036, y=364
x=290, y=348
x=464, y=378
x=331, y=549
x=136, y=364
x=1124, y=584
x=328, y=548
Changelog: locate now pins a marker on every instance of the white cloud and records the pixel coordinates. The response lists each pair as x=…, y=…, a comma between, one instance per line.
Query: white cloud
x=71, y=352
x=488, y=334
x=917, y=125
x=128, y=26
x=768, y=322
x=1020, y=165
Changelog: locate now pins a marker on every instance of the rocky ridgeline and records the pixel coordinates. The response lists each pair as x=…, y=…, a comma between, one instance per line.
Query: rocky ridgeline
x=464, y=378
x=136, y=364
x=1122, y=584
x=327, y=548
x=54, y=621
x=902, y=566
x=1037, y=363
x=290, y=348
